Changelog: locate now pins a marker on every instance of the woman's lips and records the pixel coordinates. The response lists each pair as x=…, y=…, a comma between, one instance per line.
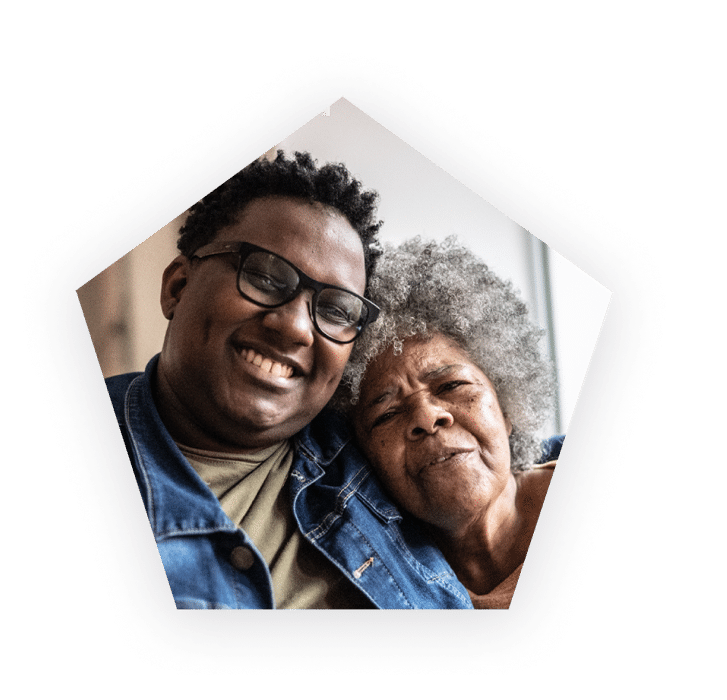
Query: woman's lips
x=266, y=364
x=444, y=458
x=446, y=454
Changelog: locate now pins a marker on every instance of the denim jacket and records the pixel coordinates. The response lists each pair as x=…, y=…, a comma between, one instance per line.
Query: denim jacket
x=337, y=503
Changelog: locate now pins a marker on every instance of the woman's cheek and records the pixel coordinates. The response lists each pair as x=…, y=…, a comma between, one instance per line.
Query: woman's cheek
x=380, y=441
x=375, y=449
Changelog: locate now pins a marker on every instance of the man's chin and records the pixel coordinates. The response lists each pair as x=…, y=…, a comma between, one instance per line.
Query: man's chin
x=266, y=427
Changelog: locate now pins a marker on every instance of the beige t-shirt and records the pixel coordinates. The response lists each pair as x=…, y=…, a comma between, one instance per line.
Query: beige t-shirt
x=252, y=491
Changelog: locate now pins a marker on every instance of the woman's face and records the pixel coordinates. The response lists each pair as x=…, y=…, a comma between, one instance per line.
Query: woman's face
x=430, y=423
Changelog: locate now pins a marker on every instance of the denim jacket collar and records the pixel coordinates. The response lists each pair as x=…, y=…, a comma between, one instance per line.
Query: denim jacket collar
x=179, y=502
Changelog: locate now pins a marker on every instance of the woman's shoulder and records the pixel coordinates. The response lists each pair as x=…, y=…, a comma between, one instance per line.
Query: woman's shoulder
x=532, y=487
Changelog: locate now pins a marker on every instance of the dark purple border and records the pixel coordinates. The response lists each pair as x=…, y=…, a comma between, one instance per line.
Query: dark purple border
x=480, y=642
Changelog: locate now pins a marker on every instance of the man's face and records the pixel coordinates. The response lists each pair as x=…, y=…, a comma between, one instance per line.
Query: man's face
x=234, y=376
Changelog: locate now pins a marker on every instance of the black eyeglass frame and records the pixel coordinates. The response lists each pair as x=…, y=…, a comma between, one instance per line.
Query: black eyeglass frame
x=244, y=249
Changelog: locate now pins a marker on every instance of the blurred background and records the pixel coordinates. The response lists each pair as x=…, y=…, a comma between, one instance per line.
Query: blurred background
x=121, y=304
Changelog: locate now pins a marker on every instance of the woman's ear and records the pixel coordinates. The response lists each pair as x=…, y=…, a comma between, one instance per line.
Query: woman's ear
x=174, y=280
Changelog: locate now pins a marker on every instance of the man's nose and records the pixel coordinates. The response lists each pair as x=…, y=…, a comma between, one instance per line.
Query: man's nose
x=293, y=319
x=427, y=417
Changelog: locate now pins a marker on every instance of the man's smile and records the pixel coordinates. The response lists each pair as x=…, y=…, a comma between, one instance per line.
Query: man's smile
x=267, y=364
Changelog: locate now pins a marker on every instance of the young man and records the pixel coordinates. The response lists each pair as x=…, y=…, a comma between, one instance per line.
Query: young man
x=256, y=500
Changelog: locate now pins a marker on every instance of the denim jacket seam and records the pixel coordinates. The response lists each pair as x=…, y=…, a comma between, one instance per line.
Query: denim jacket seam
x=354, y=483
x=388, y=514
x=342, y=498
x=151, y=508
x=317, y=458
x=324, y=526
x=432, y=576
x=182, y=532
x=382, y=563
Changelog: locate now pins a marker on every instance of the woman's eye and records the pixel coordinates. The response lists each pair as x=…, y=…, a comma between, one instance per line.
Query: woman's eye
x=449, y=386
x=383, y=418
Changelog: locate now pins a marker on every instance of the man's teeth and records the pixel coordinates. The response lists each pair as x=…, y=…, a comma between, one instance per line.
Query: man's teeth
x=443, y=459
x=277, y=369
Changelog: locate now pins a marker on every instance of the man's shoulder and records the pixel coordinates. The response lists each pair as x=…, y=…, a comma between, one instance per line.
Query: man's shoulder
x=118, y=387
x=119, y=382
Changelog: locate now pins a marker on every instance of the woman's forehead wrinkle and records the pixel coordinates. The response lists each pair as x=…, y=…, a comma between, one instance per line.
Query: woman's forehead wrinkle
x=393, y=388
x=438, y=371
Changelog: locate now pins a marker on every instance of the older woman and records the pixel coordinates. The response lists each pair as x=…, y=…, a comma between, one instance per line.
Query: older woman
x=446, y=393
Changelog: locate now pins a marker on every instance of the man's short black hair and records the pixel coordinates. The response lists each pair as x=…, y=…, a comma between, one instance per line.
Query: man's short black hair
x=331, y=185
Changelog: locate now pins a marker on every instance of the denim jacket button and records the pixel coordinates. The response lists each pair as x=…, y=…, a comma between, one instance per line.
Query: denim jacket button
x=242, y=558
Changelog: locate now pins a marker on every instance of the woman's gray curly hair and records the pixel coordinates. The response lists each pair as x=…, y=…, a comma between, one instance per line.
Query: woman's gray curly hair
x=429, y=287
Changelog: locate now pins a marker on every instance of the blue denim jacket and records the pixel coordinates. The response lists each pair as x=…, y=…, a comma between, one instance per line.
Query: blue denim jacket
x=339, y=507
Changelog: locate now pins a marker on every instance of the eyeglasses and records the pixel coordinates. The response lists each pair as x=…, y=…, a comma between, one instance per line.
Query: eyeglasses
x=268, y=280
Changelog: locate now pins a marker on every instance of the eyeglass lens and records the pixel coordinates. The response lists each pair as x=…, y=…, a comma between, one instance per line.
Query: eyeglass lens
x=270, y=281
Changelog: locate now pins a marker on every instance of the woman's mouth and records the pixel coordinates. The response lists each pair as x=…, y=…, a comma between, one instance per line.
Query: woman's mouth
x=446, y=455
x=266, y=364
x=442, y=459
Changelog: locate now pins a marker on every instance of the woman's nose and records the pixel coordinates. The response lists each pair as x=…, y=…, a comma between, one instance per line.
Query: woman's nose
x=427, y=417
x=293, y=320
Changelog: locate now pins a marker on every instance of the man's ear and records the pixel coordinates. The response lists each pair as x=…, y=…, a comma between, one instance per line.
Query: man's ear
x=508, y=424
x=174, y=280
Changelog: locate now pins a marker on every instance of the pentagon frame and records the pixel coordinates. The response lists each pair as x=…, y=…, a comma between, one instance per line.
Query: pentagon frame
x=573, y=513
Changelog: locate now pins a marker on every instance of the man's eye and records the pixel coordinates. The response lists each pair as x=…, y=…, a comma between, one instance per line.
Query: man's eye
x=264, y=283
x=338, y=308
x=335, y=314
